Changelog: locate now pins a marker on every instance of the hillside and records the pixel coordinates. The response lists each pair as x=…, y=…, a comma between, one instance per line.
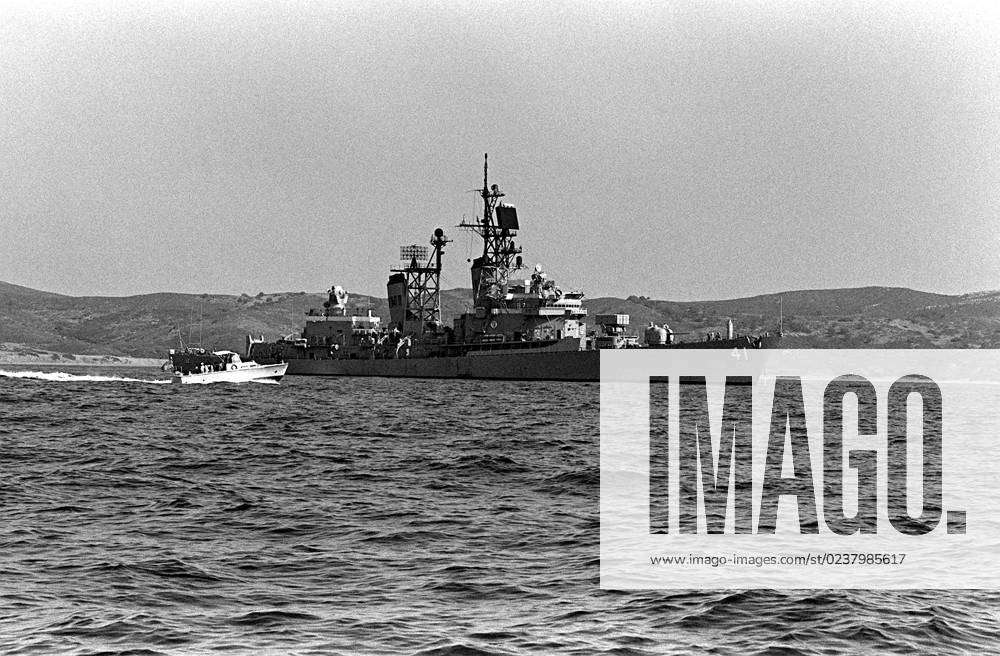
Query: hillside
x=866, y=317
x=147, y=325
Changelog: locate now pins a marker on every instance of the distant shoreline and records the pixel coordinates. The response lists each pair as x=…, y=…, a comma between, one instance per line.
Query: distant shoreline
x=20, y=354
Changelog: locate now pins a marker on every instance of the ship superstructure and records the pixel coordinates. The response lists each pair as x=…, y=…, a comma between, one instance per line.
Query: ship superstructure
x=521, y=324
x=509, y=309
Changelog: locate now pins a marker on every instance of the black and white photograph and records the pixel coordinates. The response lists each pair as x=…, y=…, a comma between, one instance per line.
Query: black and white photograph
x=499, y=328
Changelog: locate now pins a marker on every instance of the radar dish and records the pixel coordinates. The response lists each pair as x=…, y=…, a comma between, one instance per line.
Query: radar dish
x=506, y=217
x=413, y=252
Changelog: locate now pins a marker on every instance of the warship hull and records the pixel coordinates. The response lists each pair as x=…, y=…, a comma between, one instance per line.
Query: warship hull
x=552, y=365
x=579, y=366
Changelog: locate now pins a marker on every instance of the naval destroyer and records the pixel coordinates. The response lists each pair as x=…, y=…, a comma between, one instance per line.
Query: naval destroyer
x=519, y=328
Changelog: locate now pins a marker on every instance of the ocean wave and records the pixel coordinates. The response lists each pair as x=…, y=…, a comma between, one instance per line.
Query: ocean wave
x=499, y=464
x=572, y=482
x=66, y=377
x=271, y=618
x=459, y=649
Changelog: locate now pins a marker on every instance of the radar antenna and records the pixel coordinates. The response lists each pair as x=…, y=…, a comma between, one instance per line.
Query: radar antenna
x=497, y=228
x=423, y=284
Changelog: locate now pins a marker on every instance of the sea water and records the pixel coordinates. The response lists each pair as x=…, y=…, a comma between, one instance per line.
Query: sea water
x=351, y=515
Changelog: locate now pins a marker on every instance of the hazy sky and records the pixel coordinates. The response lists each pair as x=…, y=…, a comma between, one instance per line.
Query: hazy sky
x=689, y=151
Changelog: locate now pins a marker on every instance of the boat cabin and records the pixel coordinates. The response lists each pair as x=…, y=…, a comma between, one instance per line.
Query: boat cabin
x=200, y=361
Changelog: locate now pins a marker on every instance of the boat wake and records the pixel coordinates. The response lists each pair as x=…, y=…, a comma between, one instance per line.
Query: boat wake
x=63, y=377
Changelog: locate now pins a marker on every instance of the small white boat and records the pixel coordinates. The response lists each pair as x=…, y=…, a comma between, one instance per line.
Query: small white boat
x=198, y=366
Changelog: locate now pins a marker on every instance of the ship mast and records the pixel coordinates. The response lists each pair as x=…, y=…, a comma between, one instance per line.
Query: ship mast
x=497, y=228
x=422, y=302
